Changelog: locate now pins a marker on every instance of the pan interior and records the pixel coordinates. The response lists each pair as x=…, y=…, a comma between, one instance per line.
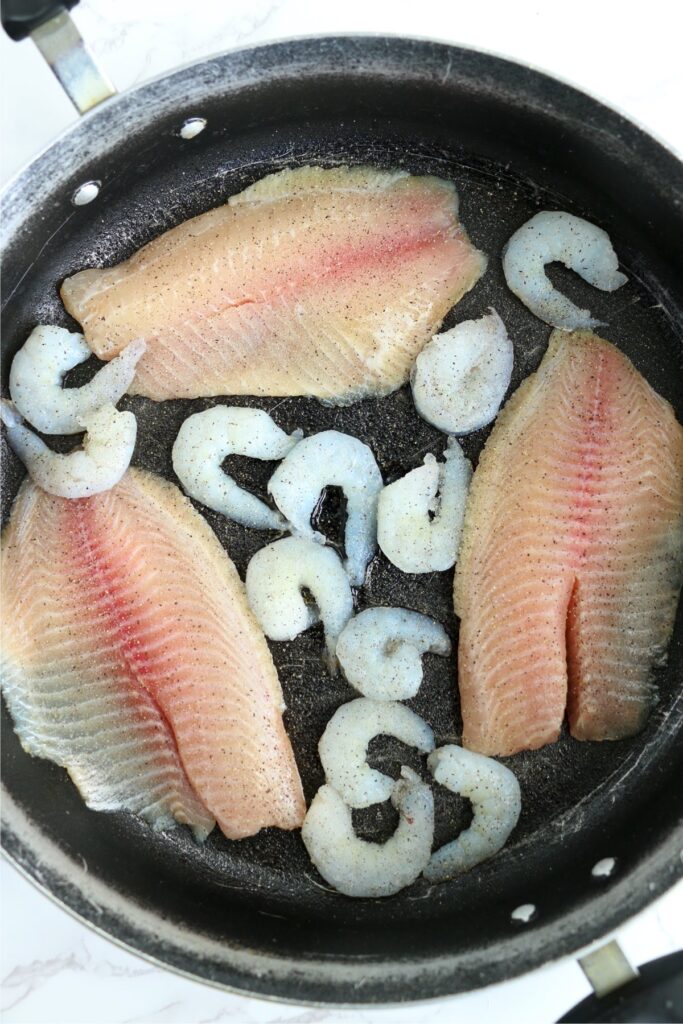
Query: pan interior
x=580, y=800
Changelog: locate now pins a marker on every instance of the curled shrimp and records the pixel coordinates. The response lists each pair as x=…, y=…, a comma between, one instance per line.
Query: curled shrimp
x=104, y=458
x=496, y=801
x=343, y=747
x=324, y=459
x=35, y=380
x=203, y=442
x=554, y=236
x=356, y=867
x=460, y=377
x=380, y=651
x=276, y=577
x=420, y=516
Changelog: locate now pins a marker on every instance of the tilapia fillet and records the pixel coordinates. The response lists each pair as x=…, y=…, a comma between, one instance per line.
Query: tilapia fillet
x=130, y=657
x=572, y=554
x=310, y=282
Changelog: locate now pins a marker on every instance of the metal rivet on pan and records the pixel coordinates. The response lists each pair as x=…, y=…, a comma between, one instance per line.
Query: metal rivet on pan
x=524, y=914
x=193, y=126
x=604, y=868
x=86, y=192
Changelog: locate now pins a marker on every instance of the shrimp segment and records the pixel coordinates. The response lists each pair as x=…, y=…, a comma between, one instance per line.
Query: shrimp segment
x=203, y=442
x=496, y=801
x=554, y=236
x=460, y=377
x=380, y=651
x=406, y=534
x=107, y=450
x=276, y=576
x=359, y=868
x=35, y=379
x=343, y=747
x=332, y=458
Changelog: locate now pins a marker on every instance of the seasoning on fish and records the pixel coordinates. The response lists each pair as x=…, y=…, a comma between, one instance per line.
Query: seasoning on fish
x=572, y=554
x=310, y=282
x=132, y=659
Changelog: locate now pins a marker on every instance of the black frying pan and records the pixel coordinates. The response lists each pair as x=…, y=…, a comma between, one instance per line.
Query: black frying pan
x=255, y=915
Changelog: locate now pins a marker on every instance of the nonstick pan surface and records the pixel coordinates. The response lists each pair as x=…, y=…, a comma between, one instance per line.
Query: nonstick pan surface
x=255, y=915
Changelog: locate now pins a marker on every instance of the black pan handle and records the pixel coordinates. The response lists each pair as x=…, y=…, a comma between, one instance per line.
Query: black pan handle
x=21, y=17
x=50, y=27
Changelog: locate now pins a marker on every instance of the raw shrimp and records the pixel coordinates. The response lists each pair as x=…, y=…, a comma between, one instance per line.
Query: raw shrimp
x=343, y=747
x=554, y=236
x=332, y=458
x=320, y=282
x=203, y=442
x=407, y=535
x=380, y=651
x=460, y=378
x=35, y=380
x=359, y=868
x=496, y=801
x=107, y=450
x=276, y=577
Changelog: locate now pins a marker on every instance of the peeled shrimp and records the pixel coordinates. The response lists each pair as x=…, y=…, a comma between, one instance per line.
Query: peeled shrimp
x=380, y=651
x=359, y=868
x=276, y=576
x=343, y=747
x=460, y=377
x=332, y=458
x=555, y=236
x=35, y=380
x=107, y=450
x=406, y=534
x=496, y=801
x=203, y=442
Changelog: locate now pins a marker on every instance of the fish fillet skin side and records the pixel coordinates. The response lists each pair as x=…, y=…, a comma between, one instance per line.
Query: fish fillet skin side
x=315, y=282
x=572, y=554
x=132, y=659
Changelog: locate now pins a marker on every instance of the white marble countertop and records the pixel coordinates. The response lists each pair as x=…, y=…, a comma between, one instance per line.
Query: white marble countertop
x=55, y=970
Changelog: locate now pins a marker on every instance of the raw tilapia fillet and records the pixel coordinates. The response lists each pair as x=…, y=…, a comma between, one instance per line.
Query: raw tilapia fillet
x=130, y=657
x=310, y=282
x=572, y=554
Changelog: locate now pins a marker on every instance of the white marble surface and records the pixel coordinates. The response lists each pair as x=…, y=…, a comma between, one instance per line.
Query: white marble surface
x=54, y=970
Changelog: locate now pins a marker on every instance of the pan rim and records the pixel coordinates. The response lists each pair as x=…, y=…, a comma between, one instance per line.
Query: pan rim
x=306, y=37
x=119, y=100
x=664, y=871
x=661, y=871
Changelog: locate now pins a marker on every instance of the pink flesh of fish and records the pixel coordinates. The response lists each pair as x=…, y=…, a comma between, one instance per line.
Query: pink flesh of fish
x=311, y=282
x=572, y=554
x=134, y=660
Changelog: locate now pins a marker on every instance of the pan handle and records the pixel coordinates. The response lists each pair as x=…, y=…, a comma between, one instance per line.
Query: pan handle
x=51, y=28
